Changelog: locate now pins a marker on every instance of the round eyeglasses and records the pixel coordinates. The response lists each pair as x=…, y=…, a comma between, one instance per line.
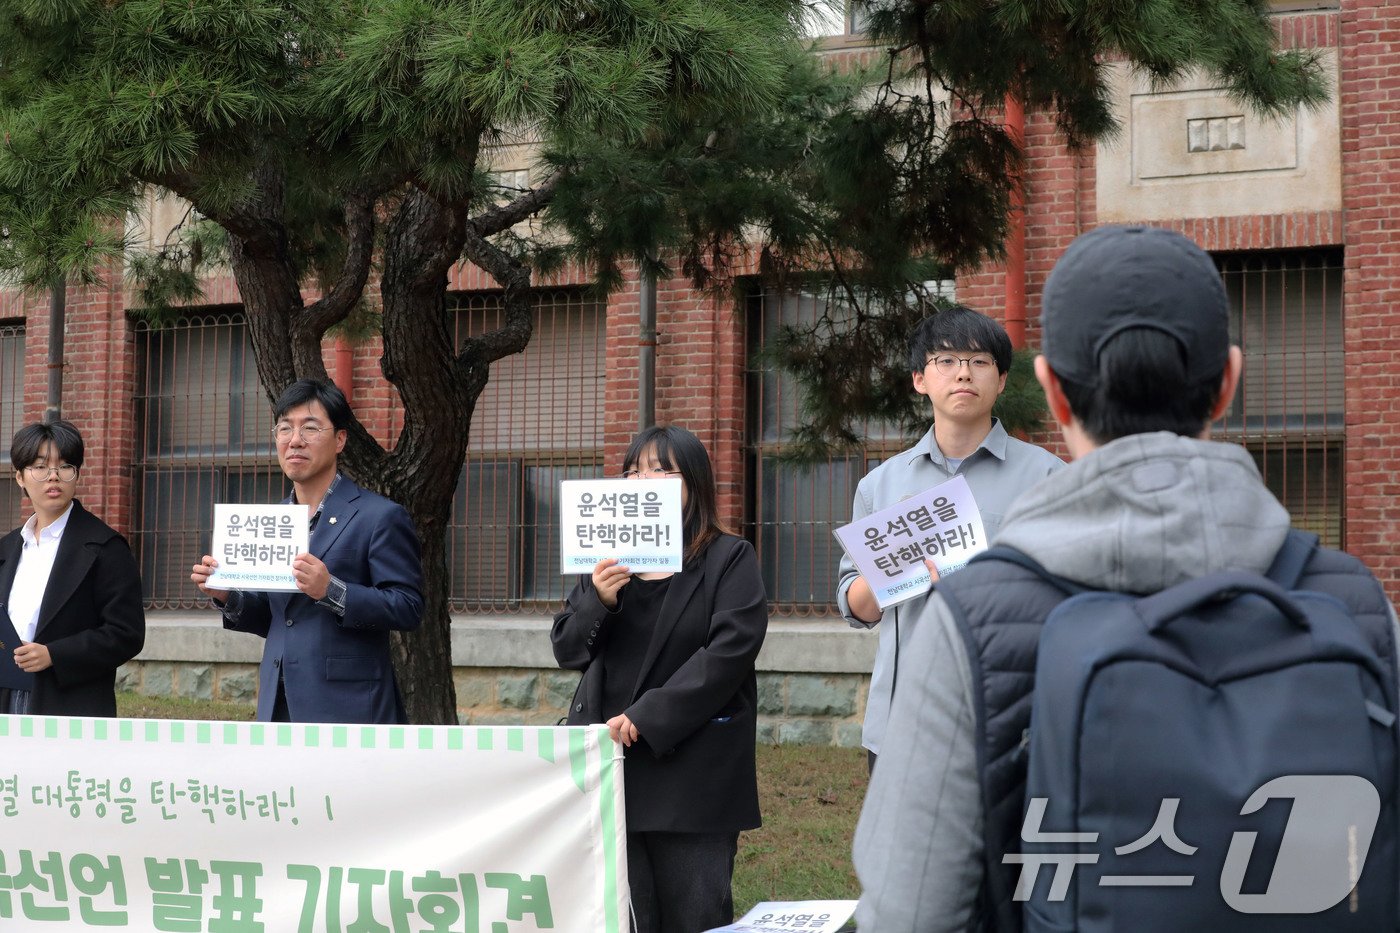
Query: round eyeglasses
x=657, y=473
x=39, y=471
x=947, y=364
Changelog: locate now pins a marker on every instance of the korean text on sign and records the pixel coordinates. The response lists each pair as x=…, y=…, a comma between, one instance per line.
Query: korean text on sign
x=638, y=522
x=255, y=545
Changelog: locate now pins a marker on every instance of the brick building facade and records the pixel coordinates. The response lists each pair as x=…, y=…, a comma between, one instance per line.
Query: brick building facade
x=1303, y=213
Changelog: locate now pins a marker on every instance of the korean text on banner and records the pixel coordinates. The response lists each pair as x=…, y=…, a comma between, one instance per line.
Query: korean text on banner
x=889, y=547
x=636, y=521
x=255, y=545
x=263, y=827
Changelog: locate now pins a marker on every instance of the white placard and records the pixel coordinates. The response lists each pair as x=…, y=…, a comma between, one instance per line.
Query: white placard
x=255, y=545
x=636, y=521
x=791, y=916
x=889, y=546
x=176, y=825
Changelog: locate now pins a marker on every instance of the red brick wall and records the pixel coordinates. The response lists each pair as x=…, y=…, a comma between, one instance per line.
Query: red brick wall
x=1370, y=96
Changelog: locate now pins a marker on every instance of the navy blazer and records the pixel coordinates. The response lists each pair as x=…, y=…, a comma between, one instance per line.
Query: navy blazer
x=91, y=617
x=695, y=702
x=337, y=669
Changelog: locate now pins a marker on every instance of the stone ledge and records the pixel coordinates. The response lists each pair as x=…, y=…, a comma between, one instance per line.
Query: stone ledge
x=827, y=646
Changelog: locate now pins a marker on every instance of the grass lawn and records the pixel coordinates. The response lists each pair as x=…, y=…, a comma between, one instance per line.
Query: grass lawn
x=810, y=798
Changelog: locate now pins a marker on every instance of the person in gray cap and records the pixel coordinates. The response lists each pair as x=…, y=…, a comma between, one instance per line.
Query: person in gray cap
x=1136, y=364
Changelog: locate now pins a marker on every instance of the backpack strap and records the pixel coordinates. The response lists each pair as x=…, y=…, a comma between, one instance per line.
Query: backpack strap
x=1010, y=555
x=1292, y=557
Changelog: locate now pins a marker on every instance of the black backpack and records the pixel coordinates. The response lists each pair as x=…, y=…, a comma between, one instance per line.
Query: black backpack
x=1220, y=755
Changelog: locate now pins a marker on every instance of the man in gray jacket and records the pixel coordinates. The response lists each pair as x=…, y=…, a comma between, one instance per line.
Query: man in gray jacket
x=1137, y=364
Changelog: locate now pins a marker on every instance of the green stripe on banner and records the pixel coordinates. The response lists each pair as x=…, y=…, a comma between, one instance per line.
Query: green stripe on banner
x=26, y=727
x=396, y=737
x=257, y=734
x=578, y=762
x=515, y=740
x=50, y=728
x=4, y=725
x=340, y=736
x=177, y=732
x=99, y=730
x=609, y=768
x=311, y=737
x=125, y=730
x=366, y=737
x=152, y=732
x=485, y=740
x=454, y=740
x=203, y=733
x=284, y=736
x=425, y=739
x=75, y=728
x=547, y=745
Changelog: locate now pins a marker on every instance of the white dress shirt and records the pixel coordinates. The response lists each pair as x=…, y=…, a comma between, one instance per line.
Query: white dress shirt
x=32, y=575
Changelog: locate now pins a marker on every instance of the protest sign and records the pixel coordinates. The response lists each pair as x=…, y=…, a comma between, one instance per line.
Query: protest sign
x=636, y=521
x=255, y=544
x=264, y=828
x=941, y=524
x=792, y=916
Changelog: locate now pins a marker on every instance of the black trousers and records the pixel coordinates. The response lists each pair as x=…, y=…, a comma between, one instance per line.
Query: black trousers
x=681, y=881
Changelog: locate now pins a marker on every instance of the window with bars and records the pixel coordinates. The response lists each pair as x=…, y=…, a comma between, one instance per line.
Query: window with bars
x=793, y=508
x=1286, y=315
x=204, y=438
x=11, y=415
x=539, y=421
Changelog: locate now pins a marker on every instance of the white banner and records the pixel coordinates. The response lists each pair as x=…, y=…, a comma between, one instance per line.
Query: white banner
x=255, y=545
x=264, y=828
x=889, y=547
x=636, y=521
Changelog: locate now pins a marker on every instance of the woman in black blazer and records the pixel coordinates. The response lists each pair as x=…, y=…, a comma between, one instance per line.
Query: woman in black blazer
x=668, y=664
x=68, y=584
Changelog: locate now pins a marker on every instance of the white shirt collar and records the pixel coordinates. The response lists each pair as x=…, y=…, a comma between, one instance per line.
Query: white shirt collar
x=52, y=532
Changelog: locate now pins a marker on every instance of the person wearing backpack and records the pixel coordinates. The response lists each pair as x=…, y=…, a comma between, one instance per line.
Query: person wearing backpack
x=1165, y=529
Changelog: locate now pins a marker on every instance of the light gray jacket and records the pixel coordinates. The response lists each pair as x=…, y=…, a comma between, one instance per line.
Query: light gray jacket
x=1137, y=515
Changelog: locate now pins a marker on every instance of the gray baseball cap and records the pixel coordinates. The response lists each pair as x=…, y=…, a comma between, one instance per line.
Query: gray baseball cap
x=1115, y=278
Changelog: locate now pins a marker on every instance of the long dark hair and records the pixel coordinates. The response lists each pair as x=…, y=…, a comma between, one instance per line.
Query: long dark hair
x=679, y=450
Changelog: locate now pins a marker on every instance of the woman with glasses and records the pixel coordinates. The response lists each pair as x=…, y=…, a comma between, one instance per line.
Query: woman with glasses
x=668, y=665
x=68, y=585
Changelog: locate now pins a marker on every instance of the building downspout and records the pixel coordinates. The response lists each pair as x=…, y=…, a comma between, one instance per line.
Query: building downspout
x=345, y=369
x=646, y=351
x=58, y=307
x=1016, y=230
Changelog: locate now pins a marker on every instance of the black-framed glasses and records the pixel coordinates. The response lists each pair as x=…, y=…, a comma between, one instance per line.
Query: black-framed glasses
x=309, y=433
x=657, y=473
x=947, y=363
x=40, y=471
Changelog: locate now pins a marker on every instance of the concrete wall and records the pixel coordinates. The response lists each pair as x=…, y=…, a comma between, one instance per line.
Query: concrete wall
x=812, y=675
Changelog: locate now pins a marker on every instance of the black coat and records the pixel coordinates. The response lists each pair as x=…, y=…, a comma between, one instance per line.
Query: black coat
x=91, y=617
x=695, y=702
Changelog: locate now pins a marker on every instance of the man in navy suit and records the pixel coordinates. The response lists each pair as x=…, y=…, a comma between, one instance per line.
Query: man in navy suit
x=327, y=653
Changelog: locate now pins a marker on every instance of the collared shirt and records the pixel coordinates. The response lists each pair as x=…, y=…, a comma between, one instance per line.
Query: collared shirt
x=33, y=571
x=997, y=472
x=334, y=600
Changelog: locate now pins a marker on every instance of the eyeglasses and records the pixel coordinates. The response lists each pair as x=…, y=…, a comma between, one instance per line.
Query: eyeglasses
x=947, y=364
x=307, y=432
x=66, y=472
x=657, y=473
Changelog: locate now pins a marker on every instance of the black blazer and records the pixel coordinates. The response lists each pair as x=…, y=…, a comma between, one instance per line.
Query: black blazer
x=695, y=702
x=91, y=617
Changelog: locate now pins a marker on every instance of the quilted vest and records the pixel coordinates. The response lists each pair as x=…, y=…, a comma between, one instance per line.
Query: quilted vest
x=999, y=608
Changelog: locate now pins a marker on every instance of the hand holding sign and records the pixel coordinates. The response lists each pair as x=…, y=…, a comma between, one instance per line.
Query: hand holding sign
x=893, y=548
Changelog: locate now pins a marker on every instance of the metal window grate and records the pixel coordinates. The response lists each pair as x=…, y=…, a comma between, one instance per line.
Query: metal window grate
x=11, y=414
x=539, y=420
x=1286, y=315
x=203, y=422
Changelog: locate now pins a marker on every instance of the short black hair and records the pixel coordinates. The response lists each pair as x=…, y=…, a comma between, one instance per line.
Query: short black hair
x=678, y=449
x=30, y=440
x=959, y=328
x=306, y=391
x=1142, y=387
